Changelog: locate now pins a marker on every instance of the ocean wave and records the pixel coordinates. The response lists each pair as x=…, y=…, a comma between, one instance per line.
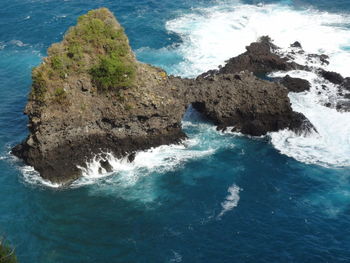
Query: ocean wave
x=204, y=140
x=330, y=146
x=157, y=160
x=17, y=43
x=32, y=177
x=212, y=35
x=29, y=174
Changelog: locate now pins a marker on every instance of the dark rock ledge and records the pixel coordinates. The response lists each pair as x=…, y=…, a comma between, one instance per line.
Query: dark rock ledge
x=91, y=96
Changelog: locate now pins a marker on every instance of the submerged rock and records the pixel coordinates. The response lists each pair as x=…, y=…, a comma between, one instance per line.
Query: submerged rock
x=91, y=96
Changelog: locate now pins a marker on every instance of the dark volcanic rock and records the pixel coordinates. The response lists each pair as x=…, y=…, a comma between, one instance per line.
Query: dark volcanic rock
x=71, y=120
x=253, y=106
x=316, y=58
x=333, y=77
x=259, y=58
x=343, y=105
x=296, y=44
x=295, y=84
x=106, y=165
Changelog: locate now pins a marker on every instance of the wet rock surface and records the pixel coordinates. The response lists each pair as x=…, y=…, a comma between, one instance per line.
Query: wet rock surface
x=66, y=133
x=295, y=84
x=332, y=77
x=253, y=106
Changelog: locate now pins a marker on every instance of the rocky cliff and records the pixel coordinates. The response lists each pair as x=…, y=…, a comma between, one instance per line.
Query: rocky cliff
x=91, y=96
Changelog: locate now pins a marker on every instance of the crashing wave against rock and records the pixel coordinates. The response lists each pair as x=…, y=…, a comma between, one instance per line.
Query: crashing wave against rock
x=90, y=95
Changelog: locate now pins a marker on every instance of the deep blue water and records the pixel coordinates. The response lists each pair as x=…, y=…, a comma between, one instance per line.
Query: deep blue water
x=287, y=211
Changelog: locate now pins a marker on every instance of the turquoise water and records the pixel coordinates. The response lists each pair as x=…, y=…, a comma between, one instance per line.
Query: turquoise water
x=218, y=198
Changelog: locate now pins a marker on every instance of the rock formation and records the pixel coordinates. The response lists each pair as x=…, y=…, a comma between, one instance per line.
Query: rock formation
x=295, y=84
x=91, y=96
x=259, y=58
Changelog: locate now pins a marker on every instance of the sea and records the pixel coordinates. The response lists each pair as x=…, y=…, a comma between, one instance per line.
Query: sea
x=218, y=196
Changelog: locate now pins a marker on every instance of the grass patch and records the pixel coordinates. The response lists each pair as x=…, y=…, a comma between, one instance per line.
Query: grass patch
x=112, y=73
x=96, y=46
x=39, y=85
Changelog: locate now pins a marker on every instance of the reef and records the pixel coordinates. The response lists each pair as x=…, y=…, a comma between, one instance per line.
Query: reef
x=91, y=96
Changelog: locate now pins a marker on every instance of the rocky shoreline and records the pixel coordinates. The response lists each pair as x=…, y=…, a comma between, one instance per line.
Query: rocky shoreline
x=79, y=113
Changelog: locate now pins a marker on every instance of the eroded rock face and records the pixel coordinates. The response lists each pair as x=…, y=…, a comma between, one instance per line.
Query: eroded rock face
x=253, y=106
x=83, y=103
x=68, y=135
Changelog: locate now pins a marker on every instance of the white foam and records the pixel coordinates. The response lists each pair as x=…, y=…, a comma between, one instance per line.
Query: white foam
x=212, y=35
x=156, y=160
x=160, y=160
x=31, y=176
x=18, y=43
x=177, y=257
x=231, y=200
x=204, y=140
x=331, y=145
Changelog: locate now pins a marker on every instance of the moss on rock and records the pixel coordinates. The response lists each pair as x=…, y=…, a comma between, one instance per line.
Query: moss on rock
x=97, y=47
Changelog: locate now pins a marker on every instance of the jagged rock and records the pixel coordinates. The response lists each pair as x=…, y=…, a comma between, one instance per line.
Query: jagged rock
x=253, y=106
x=333, y=77
x=91, y=96
x=106, y=165
x=296, y=44
x=295, y=84
x=316, y=58
x=259, y=58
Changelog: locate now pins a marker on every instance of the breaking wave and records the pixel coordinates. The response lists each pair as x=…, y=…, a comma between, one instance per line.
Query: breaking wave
x=212, y=35
x=203, y=141
x=330, y=146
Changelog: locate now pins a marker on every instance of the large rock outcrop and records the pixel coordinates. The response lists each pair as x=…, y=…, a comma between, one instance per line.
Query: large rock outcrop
x=245, y=103
x=91, y=96
x=82, y=103
x=260, y=58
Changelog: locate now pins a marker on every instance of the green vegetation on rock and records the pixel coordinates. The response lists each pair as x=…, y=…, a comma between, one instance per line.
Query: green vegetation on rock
x=111, y=72
x=96, y=47
x=7, y=254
